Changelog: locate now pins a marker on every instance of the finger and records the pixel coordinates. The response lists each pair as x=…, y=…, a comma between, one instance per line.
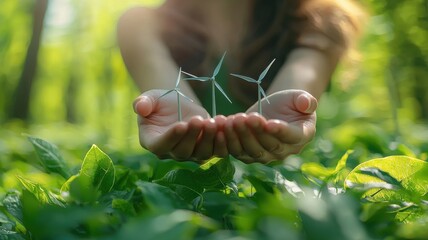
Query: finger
x=232, y=140
x=305, y=103
x=248, y=141
x=285, y=132
x=220, y=147
x=268, y=141
x=163, y=144
x=143, y=105
x=184, y=148
x=205, y=145
x=220, y=121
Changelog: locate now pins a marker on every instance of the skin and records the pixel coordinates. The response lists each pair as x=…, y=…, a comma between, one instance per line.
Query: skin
x=288, y=122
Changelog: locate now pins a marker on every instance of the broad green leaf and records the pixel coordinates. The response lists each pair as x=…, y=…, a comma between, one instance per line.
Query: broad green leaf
x=404, y=170
x=327, y=174
x=50, y=157
x=40, y=193
x=182, y=181
x=11, y=221
x=317, y=170
x=98, y=170
x=12, y=205
x=267, y=179
x=159, y=197
x=378, y=173
x=124, y=206
x=177, y=225
x=9, y=235
x=216, y=173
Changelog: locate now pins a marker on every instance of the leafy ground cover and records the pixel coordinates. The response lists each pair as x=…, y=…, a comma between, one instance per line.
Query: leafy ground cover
x=370, y=192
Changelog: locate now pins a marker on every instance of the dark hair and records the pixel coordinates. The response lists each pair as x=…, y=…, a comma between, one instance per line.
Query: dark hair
x=275, y=27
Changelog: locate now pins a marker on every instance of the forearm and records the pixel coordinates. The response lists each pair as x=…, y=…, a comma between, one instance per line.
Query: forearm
x=145, y=55
x=306, y=69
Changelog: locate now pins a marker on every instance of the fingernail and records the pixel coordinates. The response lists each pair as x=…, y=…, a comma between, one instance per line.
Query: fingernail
x=309, y=103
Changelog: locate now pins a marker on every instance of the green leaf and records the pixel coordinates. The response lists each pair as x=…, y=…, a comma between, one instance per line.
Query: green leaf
x=341, y=164
x=404, y=170
x=159, y=197
x=216, y=173
x=12, y=205
x=317, y=170
x=124, y=206
x=183, y=182
x=97, y=170
x=188, y=184
x=50, y=157
x=177, y=225
x=40, y=193
x=376, y=172
x=268, y=180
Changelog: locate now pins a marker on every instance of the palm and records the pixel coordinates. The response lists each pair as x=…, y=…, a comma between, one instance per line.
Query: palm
x=161, y=133
x=284, y=128
x=279, y=108
x=164, y=115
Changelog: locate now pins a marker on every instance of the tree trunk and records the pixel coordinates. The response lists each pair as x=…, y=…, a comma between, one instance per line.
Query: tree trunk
x=21, y=96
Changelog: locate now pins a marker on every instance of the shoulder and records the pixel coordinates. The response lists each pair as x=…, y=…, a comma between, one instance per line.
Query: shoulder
x=331, y=24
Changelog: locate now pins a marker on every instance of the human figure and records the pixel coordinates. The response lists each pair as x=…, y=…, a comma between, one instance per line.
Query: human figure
x=306, y=37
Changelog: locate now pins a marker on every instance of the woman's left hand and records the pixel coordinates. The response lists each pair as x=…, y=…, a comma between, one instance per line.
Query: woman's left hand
x=287, y=125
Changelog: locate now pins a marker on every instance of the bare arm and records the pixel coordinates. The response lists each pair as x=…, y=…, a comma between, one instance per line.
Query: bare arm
x=289, y=120
x=309, y=67
x=145, y=55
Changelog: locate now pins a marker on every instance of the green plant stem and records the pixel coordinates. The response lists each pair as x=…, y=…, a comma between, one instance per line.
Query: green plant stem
x=179, y=108
x=214, y=112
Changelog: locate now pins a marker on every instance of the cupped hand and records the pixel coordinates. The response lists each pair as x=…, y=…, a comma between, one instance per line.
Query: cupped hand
x=287, y=125
x=193, y=138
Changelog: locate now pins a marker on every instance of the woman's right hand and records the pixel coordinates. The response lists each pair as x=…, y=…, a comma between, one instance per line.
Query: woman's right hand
x=160, y=132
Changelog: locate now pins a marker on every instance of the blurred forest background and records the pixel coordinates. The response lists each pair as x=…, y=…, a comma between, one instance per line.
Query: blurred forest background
x=62, y=79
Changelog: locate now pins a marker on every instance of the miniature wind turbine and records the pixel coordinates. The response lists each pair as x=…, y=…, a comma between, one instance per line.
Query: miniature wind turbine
x=214, y=84
x=179, y=93
x=261, y=92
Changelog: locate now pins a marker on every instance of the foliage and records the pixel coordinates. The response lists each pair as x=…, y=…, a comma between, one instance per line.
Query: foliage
x=124, y=197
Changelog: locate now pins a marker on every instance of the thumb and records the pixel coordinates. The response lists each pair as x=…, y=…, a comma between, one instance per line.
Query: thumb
x=305, y=103
x=143, y=105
